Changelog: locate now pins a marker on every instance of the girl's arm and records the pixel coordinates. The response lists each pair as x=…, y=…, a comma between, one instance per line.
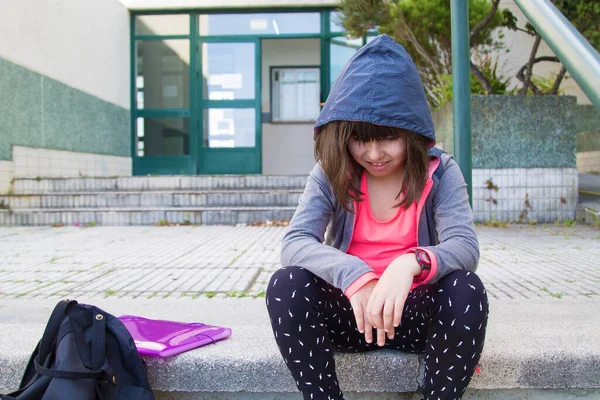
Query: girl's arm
x=303, y=246
x=458, y=248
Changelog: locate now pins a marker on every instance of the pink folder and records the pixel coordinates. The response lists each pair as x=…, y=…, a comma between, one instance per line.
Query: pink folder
x=162, y=338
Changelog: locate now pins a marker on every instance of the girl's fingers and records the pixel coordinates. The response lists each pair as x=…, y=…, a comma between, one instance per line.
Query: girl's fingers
x=388, y=317
x=367, y=310
x=359, y=316
x=398, y=309
x=368, y=332
x=376, y=312
x=380, y=337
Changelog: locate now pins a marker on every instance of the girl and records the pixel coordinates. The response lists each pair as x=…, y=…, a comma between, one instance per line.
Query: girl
x=381, y=250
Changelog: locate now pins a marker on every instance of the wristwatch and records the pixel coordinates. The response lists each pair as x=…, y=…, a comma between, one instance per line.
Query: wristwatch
x=423, y=260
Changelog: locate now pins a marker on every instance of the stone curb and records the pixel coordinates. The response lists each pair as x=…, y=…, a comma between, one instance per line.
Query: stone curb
x=545, y=344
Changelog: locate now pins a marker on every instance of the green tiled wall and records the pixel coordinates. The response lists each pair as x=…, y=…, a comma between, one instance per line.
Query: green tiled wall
x=588, y=141
x=587, y=118
x=36, y=111
x=517, y=132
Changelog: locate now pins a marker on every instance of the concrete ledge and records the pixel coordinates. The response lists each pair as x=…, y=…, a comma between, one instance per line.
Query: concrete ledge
x=532, y=344
x=143, y=216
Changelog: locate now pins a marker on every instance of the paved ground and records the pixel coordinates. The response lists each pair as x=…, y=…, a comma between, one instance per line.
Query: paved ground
x=543, y=282
x=518, y=262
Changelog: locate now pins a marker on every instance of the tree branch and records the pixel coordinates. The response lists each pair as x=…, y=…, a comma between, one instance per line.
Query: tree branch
x=474, y=70
x=525, y=31
x=406, y=32
x=521, y=73
x=558, y=80
x=529, y=66
x=486, y=20
x=481, y=78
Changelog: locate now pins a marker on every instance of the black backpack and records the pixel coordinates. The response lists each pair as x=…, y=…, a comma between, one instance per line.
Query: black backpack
x=85, y=354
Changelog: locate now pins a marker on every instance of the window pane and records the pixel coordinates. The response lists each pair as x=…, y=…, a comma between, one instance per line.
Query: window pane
x=335, y=22
x=229, y=127
x=228, y=71
x=162, y=25
x=162, y=74
x=163, y=136
x=259, y=24
x=296, y=94
x=341, y=49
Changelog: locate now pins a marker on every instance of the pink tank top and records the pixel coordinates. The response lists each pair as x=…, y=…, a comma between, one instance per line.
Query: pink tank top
x=378, y=243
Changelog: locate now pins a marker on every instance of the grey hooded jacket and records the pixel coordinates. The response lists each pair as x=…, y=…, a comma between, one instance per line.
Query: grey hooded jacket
x=380, y=85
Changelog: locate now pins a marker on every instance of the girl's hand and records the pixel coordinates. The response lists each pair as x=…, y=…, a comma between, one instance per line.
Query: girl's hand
x=359, y=305
x=386, y=303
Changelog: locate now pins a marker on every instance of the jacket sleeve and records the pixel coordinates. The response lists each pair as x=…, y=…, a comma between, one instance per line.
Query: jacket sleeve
x=303, y=246
x=458, y=248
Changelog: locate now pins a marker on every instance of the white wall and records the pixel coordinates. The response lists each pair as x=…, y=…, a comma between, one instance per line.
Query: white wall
x=83, y=44
x=588, y=161
x=286, y=53
x=520, y=45
x=6, y=176
x=32, y=162
x=287, y=148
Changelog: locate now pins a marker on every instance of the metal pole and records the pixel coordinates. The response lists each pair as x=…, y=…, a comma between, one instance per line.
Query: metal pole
x=461, y=89
x=573, y=50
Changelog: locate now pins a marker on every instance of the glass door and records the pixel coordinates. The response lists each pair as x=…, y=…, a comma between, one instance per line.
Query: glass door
x=229, y=109
x=162, y=142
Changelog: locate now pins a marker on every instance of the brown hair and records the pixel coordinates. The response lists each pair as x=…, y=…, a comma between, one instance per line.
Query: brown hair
x=344, y=173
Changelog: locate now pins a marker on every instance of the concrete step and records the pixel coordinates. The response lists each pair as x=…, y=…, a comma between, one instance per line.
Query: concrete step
x=143, y=216
x=546, y=345
x=156, y=183
x=589, y=213
x=131, y=199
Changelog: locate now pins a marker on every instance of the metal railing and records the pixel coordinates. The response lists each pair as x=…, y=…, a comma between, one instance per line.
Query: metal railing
x=572, y=49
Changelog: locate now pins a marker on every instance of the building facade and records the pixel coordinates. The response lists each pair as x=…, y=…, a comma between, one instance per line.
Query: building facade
x=114, y=88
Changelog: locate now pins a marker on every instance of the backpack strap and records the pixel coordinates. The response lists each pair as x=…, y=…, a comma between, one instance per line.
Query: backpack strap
x=80, y=318
x=57, y=373
x=52, y=327
x=98, y=338
x=49, y=340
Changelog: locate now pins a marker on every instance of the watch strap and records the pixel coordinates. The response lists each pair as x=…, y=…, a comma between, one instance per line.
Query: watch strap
x=425, y=265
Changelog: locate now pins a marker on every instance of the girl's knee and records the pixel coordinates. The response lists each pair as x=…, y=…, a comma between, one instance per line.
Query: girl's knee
x=286, y=280
x=465, y=285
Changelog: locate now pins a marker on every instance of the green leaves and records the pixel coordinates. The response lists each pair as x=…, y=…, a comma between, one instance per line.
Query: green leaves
x=423, y=28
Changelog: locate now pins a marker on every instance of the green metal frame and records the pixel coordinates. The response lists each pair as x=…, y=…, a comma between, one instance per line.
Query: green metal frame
x=210, y=160
x=229, y=160
x=461, y=90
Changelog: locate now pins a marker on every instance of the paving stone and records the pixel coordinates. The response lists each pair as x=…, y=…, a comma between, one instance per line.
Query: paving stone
x=139, y=262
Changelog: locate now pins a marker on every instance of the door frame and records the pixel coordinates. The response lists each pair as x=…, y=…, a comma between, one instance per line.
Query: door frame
x=240, y=160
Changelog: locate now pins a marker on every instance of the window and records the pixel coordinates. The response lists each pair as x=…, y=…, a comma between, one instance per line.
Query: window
x=162, y=73
x=259, y=24
x=295, y=94
x=172, y=24
x=341, y=50
x=229, y=127
x=163, y=137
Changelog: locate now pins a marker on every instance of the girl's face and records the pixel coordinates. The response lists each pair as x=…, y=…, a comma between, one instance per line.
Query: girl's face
x=381, y=158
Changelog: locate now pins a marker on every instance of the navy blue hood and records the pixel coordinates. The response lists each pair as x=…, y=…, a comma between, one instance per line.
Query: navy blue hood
x=380, y=84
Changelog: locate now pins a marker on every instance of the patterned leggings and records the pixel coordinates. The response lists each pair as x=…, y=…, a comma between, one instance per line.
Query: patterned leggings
x=311, y=319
